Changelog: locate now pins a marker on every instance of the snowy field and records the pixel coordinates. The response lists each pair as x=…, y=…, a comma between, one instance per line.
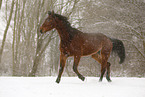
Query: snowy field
x=71, y=87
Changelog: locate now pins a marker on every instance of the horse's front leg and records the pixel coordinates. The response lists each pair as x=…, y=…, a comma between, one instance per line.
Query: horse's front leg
x=75, y=67
x=61, y=68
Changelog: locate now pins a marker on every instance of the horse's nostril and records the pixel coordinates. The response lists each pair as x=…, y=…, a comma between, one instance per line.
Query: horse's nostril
x=41, y=31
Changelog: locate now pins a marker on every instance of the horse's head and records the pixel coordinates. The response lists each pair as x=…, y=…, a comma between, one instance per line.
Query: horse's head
x=49, y=23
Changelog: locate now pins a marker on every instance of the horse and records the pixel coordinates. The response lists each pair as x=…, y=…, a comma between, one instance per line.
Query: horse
x=74, y=43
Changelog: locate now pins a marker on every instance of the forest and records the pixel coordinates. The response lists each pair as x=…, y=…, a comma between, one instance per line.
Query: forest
x=24, y=50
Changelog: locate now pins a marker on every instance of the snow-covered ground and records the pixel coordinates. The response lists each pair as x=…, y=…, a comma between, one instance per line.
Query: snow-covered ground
x=71, y=87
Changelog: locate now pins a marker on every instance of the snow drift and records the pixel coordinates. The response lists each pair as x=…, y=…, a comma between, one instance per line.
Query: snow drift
x=71, y=87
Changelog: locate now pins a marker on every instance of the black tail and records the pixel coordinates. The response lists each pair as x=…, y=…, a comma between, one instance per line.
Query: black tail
x=118, y=48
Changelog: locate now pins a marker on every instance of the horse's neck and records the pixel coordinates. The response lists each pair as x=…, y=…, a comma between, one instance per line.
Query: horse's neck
x=65, y=32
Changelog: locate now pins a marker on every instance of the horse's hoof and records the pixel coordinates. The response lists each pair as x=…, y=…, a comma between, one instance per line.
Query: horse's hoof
x=100, y=80
x=109, y=80
x=82, y=78
x=58, y=80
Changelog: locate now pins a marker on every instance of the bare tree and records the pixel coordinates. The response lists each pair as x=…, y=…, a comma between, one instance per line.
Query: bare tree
x=122, y=19
x=0, y=3
x=13, y=43
x=6, y=30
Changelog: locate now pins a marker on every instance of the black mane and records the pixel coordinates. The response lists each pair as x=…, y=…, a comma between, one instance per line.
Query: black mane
x=72, y=31
x=63, y=18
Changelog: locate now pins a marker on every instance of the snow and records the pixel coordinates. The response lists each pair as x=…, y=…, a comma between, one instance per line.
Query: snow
x=71, y=87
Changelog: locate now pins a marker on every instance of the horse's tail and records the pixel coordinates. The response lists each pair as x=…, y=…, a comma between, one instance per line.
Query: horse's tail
x=118, y=47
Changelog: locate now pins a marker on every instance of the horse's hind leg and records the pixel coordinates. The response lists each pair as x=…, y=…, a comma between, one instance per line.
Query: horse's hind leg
x=108, y=72
x=100, y=59
x=75, y=67
x=105, y=65
x=97, y=57
x=103, y=69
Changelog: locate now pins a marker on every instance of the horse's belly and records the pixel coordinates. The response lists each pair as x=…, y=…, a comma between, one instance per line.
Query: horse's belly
x=90, y=50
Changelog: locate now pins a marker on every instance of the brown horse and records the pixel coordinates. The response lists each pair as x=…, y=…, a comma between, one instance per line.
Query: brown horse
x=77, y=44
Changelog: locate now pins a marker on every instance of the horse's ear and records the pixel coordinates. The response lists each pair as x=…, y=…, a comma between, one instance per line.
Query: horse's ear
x=49, y=12
x=52, y=13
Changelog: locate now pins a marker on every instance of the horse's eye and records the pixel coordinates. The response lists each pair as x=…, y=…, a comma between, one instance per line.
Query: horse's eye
x=48, y=20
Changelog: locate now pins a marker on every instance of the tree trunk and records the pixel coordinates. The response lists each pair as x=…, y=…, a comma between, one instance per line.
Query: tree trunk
x=39, y=53
x=143, y=38
x=13, y=43
x=144, y=46
x=143, y=42
x=6, y=30
x=0, y=3
x=35, y=65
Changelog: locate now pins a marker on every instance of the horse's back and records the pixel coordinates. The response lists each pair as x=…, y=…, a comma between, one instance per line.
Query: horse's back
x=93, y=42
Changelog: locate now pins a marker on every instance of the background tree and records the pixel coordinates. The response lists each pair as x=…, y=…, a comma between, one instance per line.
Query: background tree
x=0, y=3
x=119, y=19
x=6, y=30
